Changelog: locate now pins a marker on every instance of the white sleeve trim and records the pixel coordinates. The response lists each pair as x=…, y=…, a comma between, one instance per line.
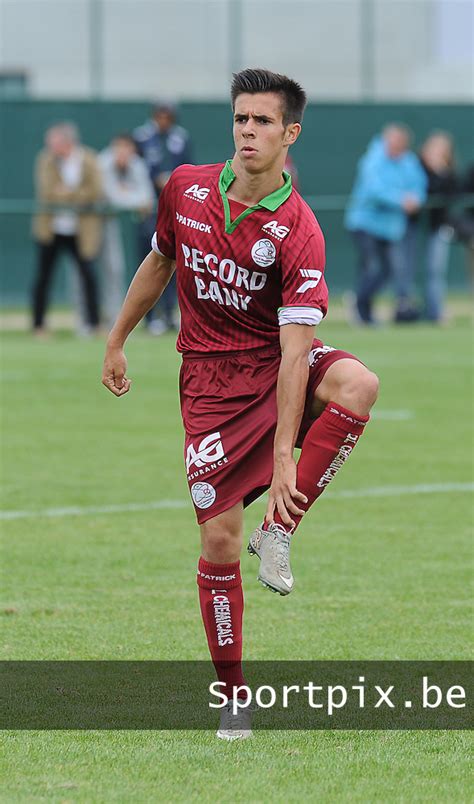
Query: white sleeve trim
x=310, y=316
x=154, y=245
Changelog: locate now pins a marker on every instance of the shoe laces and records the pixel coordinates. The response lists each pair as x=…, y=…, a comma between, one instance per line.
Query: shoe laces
x=282, y=543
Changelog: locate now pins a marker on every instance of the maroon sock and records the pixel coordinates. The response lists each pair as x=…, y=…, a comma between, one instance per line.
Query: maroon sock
x=222, y=606
x=327, y=445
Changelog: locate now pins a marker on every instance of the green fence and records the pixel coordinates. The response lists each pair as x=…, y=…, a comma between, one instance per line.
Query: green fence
x=334, y=137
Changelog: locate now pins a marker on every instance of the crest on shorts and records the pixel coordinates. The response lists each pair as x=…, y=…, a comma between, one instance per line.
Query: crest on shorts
x=203, y=494
x=263, y=253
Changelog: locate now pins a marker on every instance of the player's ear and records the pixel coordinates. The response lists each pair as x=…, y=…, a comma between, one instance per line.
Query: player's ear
x=292, y=133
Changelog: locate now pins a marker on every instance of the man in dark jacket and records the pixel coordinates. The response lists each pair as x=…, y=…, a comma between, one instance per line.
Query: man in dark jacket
x=437, y=160
x=164, y=146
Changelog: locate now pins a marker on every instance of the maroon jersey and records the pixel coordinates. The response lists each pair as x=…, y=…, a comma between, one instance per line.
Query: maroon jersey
x=236, y=276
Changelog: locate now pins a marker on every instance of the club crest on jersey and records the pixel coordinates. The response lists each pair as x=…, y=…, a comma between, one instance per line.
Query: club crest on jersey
x=263, y=253
x=197, y=193
x=275, y=229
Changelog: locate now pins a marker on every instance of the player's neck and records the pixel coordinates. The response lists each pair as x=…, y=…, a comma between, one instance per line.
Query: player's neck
x=250, y=188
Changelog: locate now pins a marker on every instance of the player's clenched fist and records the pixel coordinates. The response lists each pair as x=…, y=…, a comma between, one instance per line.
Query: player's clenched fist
x=113, y=373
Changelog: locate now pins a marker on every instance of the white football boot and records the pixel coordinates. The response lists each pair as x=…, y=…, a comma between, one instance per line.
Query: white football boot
x=235, y=727
x=272, y=545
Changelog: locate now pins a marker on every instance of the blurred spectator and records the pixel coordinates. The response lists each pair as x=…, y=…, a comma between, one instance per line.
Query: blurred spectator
x=390, y=184
x=67, y=179
x=463, y=222
x=164, y=146
x=437, y=160
x=127, y=186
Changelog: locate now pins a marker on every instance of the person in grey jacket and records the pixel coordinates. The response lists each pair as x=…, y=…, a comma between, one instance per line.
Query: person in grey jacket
x=127, y=186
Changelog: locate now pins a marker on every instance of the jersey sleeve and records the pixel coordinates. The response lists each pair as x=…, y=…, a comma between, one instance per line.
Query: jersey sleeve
x=303, y=283
x=164, y=238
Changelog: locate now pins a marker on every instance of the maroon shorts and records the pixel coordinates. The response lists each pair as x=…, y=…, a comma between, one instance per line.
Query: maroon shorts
x=228, y=405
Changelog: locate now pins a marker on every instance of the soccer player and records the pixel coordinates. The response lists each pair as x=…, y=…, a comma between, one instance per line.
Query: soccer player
x=254, y=382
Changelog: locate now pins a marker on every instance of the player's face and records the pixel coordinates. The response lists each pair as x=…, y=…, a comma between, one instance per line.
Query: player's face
x=260, y=138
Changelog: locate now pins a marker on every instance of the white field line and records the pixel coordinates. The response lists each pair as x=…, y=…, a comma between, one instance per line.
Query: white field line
x=374, y=491
x=396, y=491
x=393, y=415
x=94, y=509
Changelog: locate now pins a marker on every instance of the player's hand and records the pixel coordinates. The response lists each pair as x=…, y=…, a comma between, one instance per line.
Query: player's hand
x=114, y=372
x=283, y=495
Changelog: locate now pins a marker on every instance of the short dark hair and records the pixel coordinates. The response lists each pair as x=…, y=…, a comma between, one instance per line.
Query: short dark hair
x=259, y=80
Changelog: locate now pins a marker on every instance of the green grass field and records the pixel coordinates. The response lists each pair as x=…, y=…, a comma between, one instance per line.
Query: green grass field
x=384, y=574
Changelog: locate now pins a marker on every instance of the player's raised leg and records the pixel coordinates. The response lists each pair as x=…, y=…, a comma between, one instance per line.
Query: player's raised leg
x=222, y=605
x=341, y=406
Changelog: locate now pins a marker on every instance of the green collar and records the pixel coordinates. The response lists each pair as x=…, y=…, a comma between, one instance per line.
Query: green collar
x=270, y=202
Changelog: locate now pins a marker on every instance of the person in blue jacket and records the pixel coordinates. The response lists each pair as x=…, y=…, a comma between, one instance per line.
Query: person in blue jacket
x=390, y=184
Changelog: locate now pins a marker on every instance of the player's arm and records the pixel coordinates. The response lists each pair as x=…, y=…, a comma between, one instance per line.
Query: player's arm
x=147, y=286
x=304, y=300
x=296, y=341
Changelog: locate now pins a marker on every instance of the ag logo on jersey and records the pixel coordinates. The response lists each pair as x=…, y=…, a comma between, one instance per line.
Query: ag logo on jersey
x=197, y=193
x=203, y=494
x=263, y=253
x=275, y=229
x=210, y=450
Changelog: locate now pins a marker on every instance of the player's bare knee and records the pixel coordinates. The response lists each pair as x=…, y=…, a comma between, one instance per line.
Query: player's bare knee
x=358, y=391
x=220, y=545
x=370, y=387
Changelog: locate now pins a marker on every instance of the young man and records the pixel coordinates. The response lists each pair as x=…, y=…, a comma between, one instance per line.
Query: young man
x=127, y=186
x=254, y=383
